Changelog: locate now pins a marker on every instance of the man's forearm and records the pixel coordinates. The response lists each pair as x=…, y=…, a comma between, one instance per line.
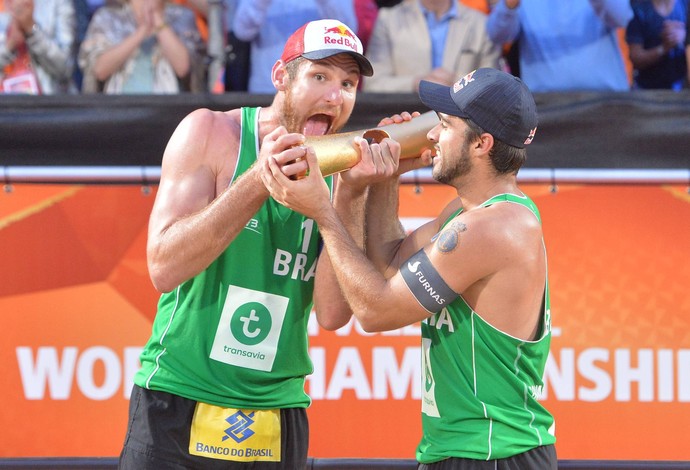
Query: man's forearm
x=332, y=310
x=359, y=281
x=383, y=231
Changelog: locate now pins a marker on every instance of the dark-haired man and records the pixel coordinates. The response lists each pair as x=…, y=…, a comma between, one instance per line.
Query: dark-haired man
x=475, y=276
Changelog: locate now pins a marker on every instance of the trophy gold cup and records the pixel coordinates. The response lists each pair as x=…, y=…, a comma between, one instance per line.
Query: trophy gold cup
x=337, y=152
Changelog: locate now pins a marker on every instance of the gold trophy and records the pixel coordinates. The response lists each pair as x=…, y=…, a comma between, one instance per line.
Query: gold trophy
x=337, y=152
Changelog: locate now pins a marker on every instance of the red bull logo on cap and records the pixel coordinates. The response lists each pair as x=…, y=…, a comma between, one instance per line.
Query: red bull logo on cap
x=531, y=135
x=342, y=36
x=463, y=82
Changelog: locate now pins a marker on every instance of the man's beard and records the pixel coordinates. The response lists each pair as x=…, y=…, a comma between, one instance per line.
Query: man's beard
x=289, y=116
x=449, y=168
x=295, y=121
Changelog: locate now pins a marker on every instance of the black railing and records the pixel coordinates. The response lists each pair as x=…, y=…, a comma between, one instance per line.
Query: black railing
x=342, y=464
x=620, y=130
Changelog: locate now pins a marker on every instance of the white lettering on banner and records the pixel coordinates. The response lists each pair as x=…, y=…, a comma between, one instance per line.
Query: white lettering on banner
x=349, y=374
x=313, y=329
x=85, y=376
x=643, y=375
x=47, y=370
x=131, y=367
x=590, y=375
x=398, y=377
x=591, y=364
x=665, y=369
x=684, y=375
x=316, y=387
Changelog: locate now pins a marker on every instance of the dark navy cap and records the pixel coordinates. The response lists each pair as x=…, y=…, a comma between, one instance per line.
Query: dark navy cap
x=496, y=101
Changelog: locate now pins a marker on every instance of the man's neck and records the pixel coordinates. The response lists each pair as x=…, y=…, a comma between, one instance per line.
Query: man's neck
x=438, y=7
x=269, y=118
x=664, y=7
x=477, y=190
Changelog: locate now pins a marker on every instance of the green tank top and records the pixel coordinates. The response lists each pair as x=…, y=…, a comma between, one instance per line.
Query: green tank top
x=236, y=334
x=481, y=386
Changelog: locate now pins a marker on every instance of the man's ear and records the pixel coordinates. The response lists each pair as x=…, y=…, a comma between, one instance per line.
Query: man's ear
x=279, y=76
x=485, y=142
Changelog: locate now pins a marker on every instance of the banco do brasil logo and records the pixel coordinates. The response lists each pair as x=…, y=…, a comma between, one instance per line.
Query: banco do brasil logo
x=239, y=426
x=251, y=323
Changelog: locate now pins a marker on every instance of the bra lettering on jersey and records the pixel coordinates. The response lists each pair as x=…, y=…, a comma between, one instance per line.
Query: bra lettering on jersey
x=441, y=319
x=285, y=264
x=536, y=391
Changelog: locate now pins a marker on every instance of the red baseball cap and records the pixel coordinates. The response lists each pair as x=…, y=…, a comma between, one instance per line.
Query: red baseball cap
x=324, y=38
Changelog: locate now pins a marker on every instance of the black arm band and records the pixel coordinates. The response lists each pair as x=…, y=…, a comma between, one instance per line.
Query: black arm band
x=426, y=284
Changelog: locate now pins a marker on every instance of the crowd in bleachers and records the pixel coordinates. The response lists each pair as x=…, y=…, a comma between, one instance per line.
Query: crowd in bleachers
x=173, y=46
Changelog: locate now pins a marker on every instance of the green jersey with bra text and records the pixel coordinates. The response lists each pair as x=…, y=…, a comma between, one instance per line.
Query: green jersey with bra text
x=480, y=386
x=236, y=334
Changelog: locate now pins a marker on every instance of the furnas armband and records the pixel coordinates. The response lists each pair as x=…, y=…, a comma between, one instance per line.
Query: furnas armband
x=426, y=284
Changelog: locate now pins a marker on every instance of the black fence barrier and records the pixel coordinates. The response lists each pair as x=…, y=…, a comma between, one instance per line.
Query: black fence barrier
x=637, y=129
x=339, y=464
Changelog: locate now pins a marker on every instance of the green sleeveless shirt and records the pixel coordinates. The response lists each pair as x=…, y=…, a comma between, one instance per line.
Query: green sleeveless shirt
x=481, y=386
x=236, y=334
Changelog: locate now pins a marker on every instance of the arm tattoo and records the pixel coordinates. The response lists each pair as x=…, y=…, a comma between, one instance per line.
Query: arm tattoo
x=448, y=239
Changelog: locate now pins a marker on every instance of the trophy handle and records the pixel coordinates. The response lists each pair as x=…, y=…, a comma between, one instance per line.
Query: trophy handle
x=337, y=152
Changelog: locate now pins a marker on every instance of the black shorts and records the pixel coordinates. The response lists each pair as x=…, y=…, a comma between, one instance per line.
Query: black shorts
x=539, y=458
x=158, y=434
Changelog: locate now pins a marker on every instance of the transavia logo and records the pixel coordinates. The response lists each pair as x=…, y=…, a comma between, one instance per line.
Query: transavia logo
x=428, y=378
x=251, y=323
x=239, y=426
x=413, y=267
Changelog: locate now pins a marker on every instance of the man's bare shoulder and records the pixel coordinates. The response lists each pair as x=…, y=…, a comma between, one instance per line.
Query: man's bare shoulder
x=205, y=142
x=204, y=120
x=504, y=224
x=206, y=135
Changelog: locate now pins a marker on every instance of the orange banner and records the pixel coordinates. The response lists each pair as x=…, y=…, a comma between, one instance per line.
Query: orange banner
x=77, y=307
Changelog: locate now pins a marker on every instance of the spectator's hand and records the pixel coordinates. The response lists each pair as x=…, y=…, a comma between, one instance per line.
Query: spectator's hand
x=143, y=18
x=149, y=15
x=673, y=34
x=23, y=14
x=15, y=36
x=156, y=10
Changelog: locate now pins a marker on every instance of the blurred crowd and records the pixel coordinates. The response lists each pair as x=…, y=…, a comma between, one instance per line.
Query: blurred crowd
x=217, y=46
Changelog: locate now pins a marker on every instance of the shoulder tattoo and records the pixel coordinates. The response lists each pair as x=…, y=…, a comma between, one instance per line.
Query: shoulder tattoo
x=449, y=238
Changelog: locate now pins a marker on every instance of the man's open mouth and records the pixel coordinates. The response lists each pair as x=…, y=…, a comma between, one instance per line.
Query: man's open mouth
x=318, y=124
